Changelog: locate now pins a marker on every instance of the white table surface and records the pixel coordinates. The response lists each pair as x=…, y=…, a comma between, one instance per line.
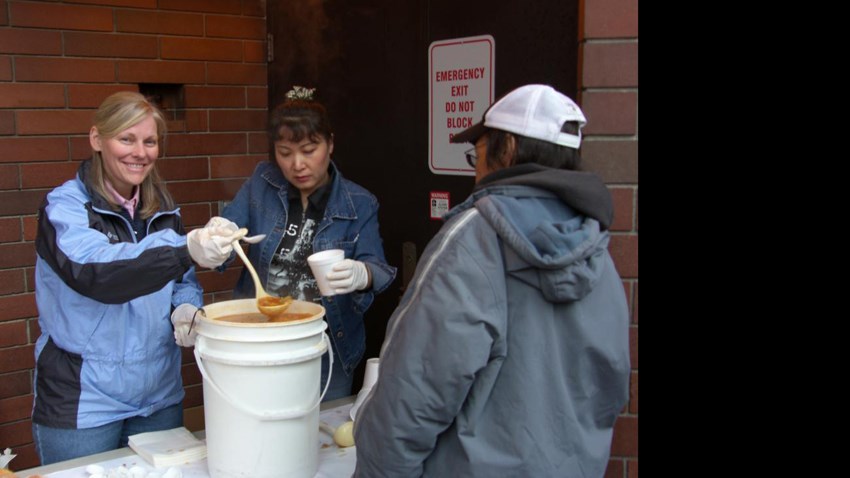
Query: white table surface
x=340, y=408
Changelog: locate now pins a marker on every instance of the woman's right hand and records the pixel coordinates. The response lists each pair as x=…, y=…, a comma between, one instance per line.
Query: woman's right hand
x=211, y=245
x=218, y=221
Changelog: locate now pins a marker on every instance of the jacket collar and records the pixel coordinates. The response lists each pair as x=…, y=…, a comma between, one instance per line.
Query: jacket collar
x=339, y=204
x=583, y=191
x=84, y=174
x=98, y=201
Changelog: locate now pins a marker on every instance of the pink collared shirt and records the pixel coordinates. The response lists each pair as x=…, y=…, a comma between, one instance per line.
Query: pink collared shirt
x=128, y=204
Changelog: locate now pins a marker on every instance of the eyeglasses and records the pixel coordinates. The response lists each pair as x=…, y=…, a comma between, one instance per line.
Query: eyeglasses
x=471, y=157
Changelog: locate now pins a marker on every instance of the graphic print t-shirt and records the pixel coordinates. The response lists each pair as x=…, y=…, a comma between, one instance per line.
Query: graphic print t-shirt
x=289, y=273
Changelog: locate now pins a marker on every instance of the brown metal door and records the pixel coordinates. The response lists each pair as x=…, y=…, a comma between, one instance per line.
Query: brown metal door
x=368, y=60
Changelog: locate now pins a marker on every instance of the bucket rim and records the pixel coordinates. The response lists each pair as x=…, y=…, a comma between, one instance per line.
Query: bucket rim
x=261, y=325
x=320, y=313
x=259, y=359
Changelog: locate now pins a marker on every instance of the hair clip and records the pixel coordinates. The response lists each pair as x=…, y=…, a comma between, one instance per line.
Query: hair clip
x=300, y=93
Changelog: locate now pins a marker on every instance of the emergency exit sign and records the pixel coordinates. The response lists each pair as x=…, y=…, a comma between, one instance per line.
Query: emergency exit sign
x=460, y=78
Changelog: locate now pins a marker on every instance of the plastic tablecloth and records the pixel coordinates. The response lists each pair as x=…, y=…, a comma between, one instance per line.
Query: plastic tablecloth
x=334, y=461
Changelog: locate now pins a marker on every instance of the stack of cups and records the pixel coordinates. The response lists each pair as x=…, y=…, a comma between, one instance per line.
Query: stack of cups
x=369, y=379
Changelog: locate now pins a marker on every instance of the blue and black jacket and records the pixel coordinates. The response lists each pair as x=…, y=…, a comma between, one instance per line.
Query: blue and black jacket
x=106, y=350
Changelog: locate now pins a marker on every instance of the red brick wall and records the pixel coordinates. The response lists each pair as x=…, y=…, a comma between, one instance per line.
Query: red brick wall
x=58, y=61
x=608, y=88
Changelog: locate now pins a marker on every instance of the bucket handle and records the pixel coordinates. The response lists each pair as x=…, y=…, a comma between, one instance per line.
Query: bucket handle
x=285, y=415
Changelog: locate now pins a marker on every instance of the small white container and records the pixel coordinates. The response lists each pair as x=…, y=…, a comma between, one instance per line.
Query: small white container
x=369, y=379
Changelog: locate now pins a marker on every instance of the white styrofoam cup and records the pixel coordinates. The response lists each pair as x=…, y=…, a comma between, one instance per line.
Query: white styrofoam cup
x=321, y=263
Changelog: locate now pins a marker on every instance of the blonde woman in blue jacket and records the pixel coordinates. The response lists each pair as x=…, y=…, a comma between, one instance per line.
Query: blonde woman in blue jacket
x=112, y=263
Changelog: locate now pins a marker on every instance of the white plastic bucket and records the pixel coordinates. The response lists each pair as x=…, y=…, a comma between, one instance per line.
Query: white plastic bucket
x=261, y=391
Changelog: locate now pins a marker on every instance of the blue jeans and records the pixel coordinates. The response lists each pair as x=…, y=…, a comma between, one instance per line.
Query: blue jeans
x=340, y=382
x=60, y=444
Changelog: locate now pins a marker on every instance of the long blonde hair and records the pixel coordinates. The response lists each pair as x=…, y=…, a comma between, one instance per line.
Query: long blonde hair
x=118, y=112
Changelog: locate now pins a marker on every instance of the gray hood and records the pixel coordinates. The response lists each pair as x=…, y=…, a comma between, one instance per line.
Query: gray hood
x=561, y=253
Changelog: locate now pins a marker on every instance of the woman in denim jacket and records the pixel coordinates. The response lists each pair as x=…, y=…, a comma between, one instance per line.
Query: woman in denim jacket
x=304, y=205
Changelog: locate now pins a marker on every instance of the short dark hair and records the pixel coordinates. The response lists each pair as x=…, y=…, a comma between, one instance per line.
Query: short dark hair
x=530, y=150
x=302, y=118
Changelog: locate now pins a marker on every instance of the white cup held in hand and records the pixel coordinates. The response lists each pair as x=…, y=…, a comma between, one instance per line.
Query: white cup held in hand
x=321, y=263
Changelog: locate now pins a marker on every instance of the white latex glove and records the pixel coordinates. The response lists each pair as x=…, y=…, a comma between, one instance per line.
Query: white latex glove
x=211, y=246
x=184, y=331
x=5, y=458
x=347, y=276
x=218, y=221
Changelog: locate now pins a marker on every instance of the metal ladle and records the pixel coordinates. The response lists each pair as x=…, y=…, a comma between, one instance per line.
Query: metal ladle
x=267, y=304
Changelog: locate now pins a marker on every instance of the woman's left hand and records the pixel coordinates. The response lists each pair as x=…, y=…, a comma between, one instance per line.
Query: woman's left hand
x=348, y=276
x=182, y=318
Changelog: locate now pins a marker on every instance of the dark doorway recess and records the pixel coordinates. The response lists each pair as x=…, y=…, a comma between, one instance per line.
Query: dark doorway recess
x=368, y=60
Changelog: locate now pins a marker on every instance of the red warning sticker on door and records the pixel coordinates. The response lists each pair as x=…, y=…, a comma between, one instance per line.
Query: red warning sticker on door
x=439, y=204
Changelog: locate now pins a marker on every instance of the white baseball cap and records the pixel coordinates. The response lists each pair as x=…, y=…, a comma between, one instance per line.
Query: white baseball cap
x=535, y=111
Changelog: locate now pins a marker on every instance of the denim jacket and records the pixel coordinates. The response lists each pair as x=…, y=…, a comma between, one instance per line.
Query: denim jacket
x=350, y=223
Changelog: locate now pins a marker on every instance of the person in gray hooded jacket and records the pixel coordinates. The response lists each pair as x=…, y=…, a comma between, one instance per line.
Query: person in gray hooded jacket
x=508, y=354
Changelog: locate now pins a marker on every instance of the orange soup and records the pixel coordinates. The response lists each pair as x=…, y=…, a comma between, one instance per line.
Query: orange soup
x=257, y=318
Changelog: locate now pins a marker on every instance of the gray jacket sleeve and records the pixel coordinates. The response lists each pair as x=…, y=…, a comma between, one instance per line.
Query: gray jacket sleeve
x=446, y=329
